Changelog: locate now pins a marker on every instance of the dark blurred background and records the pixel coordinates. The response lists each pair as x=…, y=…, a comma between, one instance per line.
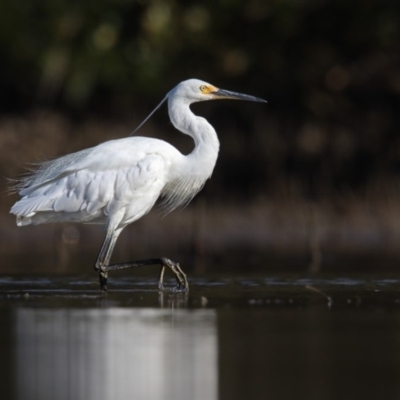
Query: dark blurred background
x=308, y=182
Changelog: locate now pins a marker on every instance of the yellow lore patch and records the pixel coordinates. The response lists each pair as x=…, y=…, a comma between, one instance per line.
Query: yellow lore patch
x=207, y=89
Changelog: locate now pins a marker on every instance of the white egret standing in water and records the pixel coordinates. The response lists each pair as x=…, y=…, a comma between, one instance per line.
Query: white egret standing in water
x=117, y=182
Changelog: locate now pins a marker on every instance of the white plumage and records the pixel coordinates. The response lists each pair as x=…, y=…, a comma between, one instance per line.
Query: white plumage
x=117, y=182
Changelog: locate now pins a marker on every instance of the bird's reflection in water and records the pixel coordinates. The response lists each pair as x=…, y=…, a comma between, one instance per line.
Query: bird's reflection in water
x=116, y=353
x=173, y=300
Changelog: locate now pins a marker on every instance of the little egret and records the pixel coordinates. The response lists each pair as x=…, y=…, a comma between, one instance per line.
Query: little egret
x=116, y=182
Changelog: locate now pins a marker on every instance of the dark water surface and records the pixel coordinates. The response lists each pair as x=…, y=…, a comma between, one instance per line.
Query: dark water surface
x=266, y=337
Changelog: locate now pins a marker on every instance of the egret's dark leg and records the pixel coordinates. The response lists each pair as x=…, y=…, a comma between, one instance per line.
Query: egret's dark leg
x=103, y=265
x=103, y=259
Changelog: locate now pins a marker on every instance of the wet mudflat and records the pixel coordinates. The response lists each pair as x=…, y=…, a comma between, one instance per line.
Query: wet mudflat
x=242, y=337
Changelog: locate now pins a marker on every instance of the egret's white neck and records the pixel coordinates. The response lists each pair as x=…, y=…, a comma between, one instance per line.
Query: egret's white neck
x=191, y=172
x=204, y=136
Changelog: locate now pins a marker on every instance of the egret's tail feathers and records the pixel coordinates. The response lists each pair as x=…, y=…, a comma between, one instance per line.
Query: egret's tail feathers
x=24, y=210
x=28, y=206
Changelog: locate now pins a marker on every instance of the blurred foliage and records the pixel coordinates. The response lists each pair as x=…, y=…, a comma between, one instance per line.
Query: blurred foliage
x=329, y=68
x=310, y=52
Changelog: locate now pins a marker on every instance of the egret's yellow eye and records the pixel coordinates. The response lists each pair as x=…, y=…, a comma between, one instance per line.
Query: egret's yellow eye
x=203, y=88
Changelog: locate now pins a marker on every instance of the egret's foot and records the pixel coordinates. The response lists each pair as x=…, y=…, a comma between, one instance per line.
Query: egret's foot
x=173, y=289
x=180, y=289
x=103, y=281
x=183, y=284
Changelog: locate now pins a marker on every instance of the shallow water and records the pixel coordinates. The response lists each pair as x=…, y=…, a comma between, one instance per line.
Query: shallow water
x=258, y=337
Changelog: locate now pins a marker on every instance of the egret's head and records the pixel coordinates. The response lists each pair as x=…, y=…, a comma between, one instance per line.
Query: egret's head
x=194, y=90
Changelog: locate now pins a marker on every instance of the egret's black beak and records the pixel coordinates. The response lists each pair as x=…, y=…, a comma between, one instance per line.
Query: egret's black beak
x=226, y=94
